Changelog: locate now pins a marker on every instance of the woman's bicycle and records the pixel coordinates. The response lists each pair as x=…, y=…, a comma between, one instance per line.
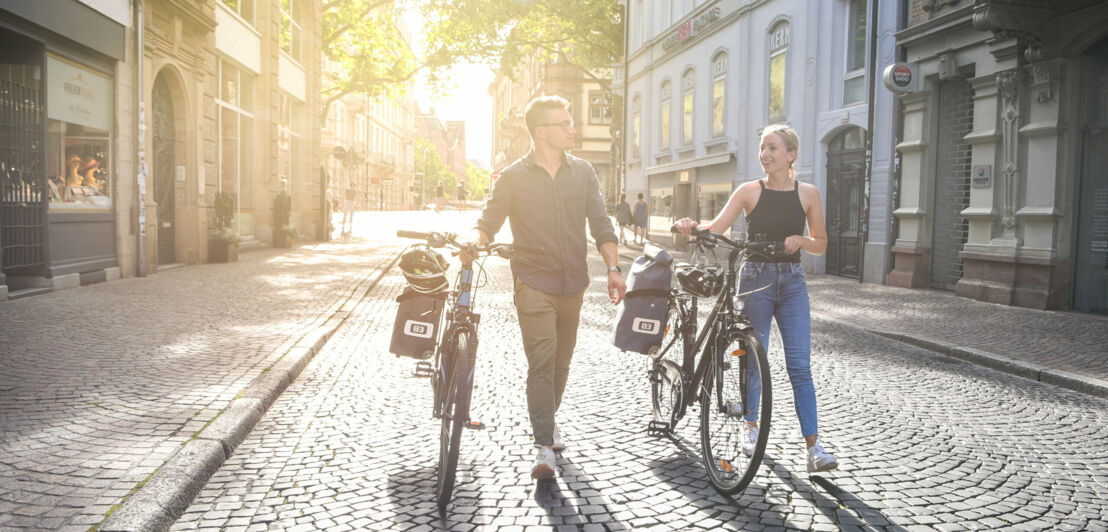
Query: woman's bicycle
x=731, y=358
x=452, y=365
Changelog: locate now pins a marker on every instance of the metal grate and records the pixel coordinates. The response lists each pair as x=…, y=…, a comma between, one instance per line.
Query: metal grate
x=952, y=183
x=22, y=181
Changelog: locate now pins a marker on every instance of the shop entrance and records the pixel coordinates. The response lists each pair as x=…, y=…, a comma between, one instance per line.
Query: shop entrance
x=23, y=193
x=949, y=229
x=164, y=131
x=846, y=158
x=1091, y=273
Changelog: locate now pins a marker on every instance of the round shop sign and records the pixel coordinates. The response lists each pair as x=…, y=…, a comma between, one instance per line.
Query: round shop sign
x=901, y=77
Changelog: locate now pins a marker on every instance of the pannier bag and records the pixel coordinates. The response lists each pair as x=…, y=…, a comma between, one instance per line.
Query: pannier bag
x=641, y=319
x=417, y=324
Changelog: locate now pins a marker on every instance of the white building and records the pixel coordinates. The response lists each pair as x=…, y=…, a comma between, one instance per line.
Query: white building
x=703, y=79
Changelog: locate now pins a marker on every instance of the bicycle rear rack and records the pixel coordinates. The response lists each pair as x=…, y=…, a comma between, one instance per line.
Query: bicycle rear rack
x=423, y=369
x=658, y=429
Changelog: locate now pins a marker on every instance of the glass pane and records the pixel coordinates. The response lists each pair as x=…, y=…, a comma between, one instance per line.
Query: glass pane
x=228, y=150
x=686, y=119
x=246, y=92
x=777, y=85
x=854, y=90
x=635, y=134
x=665, y=124
x=853, y=139
x=229, y=79
x=856, y=46
x=717, y=106
x=246, y=177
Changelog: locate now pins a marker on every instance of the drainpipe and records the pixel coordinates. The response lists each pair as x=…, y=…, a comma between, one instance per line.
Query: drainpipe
x=626, y=92
x=870, y=104
x=140, y=144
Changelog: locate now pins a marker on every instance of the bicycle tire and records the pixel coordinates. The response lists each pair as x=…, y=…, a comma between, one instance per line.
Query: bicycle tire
x=458, y=393
x=666, y=392
x=723, y=403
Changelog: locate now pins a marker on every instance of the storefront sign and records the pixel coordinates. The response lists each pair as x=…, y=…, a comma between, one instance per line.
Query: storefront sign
x=690, y=28
x=77, y=95
x=902, y=77
x=982, y=176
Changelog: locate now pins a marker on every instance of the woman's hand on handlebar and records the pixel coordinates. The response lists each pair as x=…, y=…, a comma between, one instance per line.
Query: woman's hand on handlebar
x=685, y=226
x=792, y=244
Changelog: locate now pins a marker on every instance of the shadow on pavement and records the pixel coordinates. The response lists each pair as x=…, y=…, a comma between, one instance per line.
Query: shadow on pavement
x=548, y=494
x=869, y=517
x=412, y=493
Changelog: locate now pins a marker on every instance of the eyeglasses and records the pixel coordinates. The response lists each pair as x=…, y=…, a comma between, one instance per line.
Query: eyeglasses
x=566, y=125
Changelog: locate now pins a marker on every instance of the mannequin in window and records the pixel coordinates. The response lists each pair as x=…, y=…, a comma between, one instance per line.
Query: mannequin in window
x=88, y=173
x=72, y=164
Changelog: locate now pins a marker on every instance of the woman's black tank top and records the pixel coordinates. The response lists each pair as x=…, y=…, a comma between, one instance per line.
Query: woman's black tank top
x=777, y=215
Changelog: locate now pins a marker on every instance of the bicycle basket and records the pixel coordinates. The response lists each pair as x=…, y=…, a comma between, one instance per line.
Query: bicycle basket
x=701, y=281
x=424, y=269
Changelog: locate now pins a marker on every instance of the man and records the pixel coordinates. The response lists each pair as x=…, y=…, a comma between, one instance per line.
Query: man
x=547, y=196
x=348, y=204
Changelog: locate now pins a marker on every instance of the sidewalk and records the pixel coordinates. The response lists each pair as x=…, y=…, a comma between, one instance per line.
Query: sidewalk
x=1068, y=349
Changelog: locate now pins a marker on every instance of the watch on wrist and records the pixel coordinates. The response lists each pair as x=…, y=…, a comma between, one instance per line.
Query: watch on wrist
x=615, y=268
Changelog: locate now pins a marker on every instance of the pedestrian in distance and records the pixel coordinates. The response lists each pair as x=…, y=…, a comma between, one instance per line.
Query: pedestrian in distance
x=549, y=195
x=639, y=219
x=348, y=204
x=623, y=216
x=440, y=197
x=777, y=209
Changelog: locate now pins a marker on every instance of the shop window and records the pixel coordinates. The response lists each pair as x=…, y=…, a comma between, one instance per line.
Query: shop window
x=663, y=140
x=719, y=94
x=78, y=136
x=688, y=86
x=659, y=211
x=600, y=107
x=854, y=79
x=288, y=144
x=779, y=48
x=710, y=200
x=236, y=172
x=290, y=28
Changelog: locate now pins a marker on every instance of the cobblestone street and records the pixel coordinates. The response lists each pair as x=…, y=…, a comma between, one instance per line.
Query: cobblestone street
x=126, y=374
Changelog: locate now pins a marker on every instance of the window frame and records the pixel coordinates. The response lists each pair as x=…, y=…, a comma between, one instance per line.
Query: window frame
x=855, y=73
x=779, y=40
x=245, y=9
x=688, y=107
x=290, y=15
x=719, y=74
x=665, y=117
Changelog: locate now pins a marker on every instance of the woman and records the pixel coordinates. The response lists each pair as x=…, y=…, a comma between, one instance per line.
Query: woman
x=639, y=219
x=623, y=216
x=777, y=207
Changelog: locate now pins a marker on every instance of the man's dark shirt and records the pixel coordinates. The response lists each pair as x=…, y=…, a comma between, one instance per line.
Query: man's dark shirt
x=550, y=213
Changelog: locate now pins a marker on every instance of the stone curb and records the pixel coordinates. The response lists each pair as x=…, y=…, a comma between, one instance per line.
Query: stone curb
x=166, y=495
x=1057, y=377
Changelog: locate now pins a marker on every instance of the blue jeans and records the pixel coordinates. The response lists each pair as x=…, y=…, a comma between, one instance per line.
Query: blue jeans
x=786, y=300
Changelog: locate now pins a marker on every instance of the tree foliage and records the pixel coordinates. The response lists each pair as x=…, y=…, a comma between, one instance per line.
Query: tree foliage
x=435, y=172
x=477, y=182
x=586, y=34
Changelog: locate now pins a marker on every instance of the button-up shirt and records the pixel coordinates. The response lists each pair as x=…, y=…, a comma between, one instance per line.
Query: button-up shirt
x=551, y=213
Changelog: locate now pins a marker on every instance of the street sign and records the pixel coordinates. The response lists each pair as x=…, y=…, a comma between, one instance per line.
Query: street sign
x=494, y=175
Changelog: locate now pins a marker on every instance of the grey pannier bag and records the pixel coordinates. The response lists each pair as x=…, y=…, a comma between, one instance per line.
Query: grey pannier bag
x=640, y=322
x=417, y=322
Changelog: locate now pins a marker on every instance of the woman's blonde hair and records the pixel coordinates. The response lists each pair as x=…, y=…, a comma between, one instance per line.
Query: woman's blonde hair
x=788, y=137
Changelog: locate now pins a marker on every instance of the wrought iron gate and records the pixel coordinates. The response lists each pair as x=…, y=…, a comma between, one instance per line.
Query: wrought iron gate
x=22, y=181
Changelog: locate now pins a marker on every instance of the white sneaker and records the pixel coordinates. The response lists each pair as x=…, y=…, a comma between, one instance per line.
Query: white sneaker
x=750, y=439
x=559, y=445
x=820, y=460
x=544, y=463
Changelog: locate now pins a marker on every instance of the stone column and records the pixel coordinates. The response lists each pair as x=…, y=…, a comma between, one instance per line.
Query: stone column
x=911, y=254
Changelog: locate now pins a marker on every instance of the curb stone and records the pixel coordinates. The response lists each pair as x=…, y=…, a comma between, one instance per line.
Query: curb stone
x=167, y=493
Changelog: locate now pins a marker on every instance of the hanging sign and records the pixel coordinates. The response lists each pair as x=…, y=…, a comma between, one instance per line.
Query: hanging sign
x=902, y=77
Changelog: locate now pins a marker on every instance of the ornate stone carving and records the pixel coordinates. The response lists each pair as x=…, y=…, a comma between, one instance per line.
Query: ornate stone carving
x=1006, y=83
x=1029, y=21
x=934, y=5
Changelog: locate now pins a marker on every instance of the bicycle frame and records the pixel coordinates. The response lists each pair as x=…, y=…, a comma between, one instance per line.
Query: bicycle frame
x=459, y=318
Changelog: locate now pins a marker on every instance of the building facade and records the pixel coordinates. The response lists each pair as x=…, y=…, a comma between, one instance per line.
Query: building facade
x=1004, y=187
x=448, y=138
x=591, y=106
x=704, y=78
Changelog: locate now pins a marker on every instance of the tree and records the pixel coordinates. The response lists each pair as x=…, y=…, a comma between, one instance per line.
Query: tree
x=477, y=182
x=433, y=170
x=585, y=34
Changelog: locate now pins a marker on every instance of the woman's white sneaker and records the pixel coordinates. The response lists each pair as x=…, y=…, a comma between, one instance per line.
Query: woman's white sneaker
x=750, y=440
x=820, y=460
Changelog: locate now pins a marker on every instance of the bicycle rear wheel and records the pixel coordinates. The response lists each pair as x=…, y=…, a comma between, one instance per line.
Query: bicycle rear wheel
x=459, y=388
x=740, y=366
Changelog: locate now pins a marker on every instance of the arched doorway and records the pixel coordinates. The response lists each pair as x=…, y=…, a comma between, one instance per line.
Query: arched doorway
x=846, y=157
x=1091, y=272
x=164, y=159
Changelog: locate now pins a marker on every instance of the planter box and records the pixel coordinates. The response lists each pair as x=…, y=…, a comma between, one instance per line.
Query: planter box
x=220, y=251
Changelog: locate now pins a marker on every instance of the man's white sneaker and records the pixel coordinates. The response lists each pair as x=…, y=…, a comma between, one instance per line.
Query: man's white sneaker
x=750, y=439
x=559, y=445
x=544, y=463
x=820, y=460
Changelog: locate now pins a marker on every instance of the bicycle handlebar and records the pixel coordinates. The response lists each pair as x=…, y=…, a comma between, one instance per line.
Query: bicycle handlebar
x=438, y=240
x=771, y=248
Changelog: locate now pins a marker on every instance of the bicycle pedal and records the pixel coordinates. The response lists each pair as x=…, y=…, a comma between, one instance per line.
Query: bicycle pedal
x=423, y=369
x=658, y=429
x=475, y=425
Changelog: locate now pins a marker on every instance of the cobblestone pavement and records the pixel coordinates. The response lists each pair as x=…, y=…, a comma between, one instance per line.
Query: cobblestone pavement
x=102, y=384
x=925, y=442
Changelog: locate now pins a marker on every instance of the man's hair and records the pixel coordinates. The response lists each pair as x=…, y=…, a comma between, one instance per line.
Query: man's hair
x=536, y=110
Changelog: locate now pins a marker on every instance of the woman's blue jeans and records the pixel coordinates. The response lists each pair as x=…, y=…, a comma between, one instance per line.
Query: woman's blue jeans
x=786, y=300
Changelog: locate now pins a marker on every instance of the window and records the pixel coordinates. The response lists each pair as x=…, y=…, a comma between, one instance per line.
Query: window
x=244, y=8
x=688, y=86
x=779, y=47
x=710, y=200
x=854, y=78
x=290, y=28
x=719, y=94
x=236, y=173
x=664, y=131
x=360, y=131
x=78, y=133
x=600, y=107
x=636, y=125
x=288, y=146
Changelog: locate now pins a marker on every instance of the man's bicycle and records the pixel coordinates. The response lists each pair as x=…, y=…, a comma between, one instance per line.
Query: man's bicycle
x=731, y=359
x=452, y=365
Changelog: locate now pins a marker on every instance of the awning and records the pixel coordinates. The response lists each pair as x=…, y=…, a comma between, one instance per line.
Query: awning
x=677, y=166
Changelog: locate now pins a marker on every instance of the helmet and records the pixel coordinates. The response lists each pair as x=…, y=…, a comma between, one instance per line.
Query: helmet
x=424, y=269
x=701, y=281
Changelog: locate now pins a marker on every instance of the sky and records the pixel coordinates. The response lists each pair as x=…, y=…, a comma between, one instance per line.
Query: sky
x=468, y=100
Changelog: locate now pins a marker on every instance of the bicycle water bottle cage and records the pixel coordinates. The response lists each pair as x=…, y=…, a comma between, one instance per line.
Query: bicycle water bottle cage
x=701, y=281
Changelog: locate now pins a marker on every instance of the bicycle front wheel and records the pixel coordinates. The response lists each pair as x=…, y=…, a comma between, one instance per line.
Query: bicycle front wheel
x=738, y=382
x=459, y=388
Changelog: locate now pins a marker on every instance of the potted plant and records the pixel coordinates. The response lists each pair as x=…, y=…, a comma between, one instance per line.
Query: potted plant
x=223, y=241
x=283, y=233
